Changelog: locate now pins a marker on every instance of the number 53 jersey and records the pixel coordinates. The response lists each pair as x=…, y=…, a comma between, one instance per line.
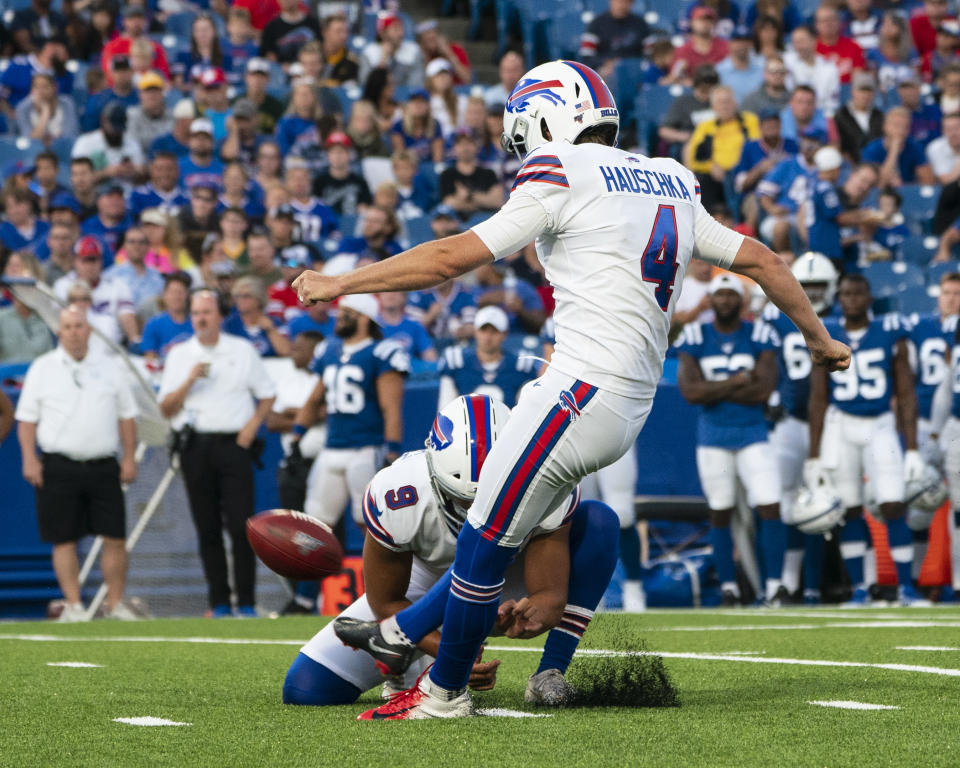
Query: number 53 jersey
x=402, y=513
x=350, y=373
x=615, y=232
x=865, y=388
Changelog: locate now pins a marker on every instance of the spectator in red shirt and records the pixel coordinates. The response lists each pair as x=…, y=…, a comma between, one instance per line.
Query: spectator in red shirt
x=134, y=28
x=923, y=25
x=842, y=51
x=261, y=11
x=433, y=45
x=701, y=47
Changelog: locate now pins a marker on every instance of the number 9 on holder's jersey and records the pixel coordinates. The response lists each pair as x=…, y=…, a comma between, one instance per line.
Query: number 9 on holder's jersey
x=659, y=261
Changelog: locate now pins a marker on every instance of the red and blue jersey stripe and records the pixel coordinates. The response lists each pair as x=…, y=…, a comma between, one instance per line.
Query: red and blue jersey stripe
x=478, y=413
x=546, y=169
x=371, y=516
x=598, y=89
x=526, y=467
x=474, y=593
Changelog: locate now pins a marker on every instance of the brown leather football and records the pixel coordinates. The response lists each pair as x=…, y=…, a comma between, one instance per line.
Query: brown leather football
x=294, y=545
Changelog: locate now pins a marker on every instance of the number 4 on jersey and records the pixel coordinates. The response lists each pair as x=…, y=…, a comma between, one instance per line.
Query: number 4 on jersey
x=659, y=261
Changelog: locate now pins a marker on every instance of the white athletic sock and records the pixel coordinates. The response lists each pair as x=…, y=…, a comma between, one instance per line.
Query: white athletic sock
x=792, y=565
x=772, y=586
x=730, y=586
x=392, y=633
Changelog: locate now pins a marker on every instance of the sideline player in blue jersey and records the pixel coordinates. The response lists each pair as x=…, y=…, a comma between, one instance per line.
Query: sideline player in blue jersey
x=485, y=369
x=931, y=339
x=362, y=387
x=946, y=420
x=853, y=431
x=791, y=436
x=729, y=368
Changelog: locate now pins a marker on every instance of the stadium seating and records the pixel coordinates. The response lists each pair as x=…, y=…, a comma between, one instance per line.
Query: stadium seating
x=419, y=230
x=18, y=149
x=936, y=271
x=915, y=299
x=919, y=205
x=919, y=249
x=889, y=278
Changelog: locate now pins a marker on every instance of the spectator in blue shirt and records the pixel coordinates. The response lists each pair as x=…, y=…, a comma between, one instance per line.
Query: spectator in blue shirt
x=111, y=221
x=20, y=229
x=395, y=324
x=249, y=321
x=742, y=70
x=205, y=52
x=378, y=234
x=145, y=283
x=498, y=285
x=925, y=113
x=901, y=159
x=122, y=91
x=758, y=158
x=162, y=190
x=201, y=165
x=51, y=60
x=172, y=325
x=417, y=130
x=316, y=318
x=893, y=232
x=301, y=117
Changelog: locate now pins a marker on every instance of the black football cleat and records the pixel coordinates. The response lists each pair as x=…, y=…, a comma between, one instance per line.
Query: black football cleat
x=391, y=658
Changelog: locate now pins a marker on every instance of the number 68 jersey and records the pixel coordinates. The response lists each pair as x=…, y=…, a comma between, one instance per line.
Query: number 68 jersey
x=615, y=232
x=403, y=514
x=865, y=388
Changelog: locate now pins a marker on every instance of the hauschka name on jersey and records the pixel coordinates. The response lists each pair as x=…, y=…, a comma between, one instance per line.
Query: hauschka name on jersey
x=620, y=178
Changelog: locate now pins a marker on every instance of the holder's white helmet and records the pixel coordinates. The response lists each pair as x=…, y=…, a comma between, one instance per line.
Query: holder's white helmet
x=462, y=435
x=562, y=97
x=814, y=267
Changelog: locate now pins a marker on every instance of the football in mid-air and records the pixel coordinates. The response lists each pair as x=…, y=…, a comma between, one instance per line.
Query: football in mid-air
x=294, y=545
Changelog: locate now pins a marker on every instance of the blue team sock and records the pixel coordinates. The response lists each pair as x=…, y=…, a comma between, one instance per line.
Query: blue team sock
x=795, y=537
x=630, y=552
x=471, y=611
x=593, y=556
x=901, y=548
x=773, y=538
x=814, y=547
x=853, y=546
x=722, y=543
x=422, y=617
x=309, y=683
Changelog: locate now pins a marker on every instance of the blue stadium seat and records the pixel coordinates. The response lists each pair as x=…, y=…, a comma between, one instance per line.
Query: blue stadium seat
x=523, y=344
x=915, y=300
x=919, y=205
x=935, y=272
x=626, y=81
x=668, y=13
x=180, y=25
x=419, y=230
x=919, y=249
x=563, y=33
x=889, y=278
x=13, y=149
x=651, y=105
x=62, y=148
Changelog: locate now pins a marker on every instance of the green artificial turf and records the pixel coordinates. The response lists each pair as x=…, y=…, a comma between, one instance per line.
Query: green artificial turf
x=732, y=712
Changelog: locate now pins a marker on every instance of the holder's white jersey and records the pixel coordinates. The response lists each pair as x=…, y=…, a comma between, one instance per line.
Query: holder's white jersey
x=615, y=232
x=402, y=513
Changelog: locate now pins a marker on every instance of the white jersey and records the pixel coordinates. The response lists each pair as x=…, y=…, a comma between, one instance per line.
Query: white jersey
x=615, y=232
x=403, y=514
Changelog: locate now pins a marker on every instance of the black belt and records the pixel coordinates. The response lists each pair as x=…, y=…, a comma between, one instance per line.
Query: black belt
x=61, y=457
x=216, y=436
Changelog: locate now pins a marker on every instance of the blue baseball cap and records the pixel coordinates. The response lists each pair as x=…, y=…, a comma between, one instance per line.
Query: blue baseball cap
x=815, y=134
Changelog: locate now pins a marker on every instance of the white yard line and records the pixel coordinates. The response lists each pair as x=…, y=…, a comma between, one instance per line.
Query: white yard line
x=851, y=705
x=73, y=664
x=148, y=721
x=926, y=648
x=500, y=712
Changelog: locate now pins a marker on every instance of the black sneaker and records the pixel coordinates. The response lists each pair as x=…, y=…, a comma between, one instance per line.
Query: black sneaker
x=293, y=608
x=391, y=658
x=782, y=598
x=730, y=599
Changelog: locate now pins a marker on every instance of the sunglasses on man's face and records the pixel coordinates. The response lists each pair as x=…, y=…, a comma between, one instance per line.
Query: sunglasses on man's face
x=205, y=198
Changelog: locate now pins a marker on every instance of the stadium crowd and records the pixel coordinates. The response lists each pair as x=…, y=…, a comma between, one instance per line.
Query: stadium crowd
x=152, y=151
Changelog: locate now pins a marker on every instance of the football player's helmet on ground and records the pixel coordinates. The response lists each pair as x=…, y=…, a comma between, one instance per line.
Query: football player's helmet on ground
x=924, y=492
x=459, y=441
x=812, y=271
x=562, y=98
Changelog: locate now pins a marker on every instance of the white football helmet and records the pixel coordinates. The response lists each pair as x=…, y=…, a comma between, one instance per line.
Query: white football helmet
x=817, y=509
x=562, y=97
x=462, y=435
x=925, y=492
x=815, y=268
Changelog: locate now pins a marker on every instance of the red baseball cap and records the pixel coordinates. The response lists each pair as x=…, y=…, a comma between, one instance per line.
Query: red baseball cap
x=385, y=19
x=88, y=246
x=213, y=77
x=338, y=138
x=704, y=12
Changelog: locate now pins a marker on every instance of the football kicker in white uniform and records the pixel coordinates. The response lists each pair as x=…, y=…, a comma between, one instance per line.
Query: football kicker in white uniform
x=614, y=231
x=413, y=511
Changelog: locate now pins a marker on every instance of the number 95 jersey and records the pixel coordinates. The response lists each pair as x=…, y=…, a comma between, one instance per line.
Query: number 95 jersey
x=865, y=388
x=403, y=514
x=354, y=418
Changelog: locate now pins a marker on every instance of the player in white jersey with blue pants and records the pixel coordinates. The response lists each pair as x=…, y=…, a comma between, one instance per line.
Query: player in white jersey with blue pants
x=589, y=206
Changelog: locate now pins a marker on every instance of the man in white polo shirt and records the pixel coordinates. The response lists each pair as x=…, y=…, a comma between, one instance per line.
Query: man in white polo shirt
x=216, y=391
x=71, y=406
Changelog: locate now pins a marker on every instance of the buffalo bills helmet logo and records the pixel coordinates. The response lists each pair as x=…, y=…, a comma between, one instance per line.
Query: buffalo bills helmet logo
x=526, y=89
x=568, y=403
x=441, y=435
